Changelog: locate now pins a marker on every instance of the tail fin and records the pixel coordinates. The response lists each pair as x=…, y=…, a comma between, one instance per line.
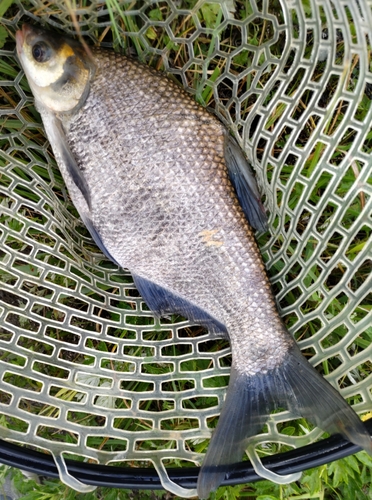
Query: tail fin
x=294, y=385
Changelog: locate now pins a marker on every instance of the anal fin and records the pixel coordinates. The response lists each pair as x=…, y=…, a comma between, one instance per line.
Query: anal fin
x=163, y=301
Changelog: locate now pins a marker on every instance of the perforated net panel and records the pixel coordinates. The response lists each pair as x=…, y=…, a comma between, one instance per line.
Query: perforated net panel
x=86, y=370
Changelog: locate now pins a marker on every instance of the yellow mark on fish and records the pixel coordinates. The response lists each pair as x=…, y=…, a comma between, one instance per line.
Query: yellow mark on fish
x=66, y=51
x=207, y=236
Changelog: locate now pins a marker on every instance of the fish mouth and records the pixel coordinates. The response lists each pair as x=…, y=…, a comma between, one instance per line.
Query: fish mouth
x=21, y=36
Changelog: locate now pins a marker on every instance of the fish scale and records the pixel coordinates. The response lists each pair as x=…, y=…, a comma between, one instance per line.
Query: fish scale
x=210, y=266
x=158, y=182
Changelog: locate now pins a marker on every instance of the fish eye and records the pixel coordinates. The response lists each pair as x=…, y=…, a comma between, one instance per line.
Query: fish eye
x=41, y=52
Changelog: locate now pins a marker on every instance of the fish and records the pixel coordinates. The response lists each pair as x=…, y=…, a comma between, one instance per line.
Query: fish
x=166, y=192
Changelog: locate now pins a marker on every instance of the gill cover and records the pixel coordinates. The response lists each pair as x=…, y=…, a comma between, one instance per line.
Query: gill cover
x=58, y=68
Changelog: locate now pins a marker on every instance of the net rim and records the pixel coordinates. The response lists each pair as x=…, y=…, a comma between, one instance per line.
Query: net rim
x=306, y=457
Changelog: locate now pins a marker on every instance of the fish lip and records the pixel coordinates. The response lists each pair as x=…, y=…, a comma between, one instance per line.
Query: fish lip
x=20, y=41
x=21, y=36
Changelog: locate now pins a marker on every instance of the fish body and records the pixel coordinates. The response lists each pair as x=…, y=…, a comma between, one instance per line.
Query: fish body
x=165, y=192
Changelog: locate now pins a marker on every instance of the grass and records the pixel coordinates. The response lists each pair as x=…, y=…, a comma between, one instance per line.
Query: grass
x=95, y=279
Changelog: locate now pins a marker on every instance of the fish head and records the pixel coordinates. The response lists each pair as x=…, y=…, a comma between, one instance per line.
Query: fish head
x=57, y=68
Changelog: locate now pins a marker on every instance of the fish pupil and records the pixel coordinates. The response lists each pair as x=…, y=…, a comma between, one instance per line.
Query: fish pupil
x=40, y=52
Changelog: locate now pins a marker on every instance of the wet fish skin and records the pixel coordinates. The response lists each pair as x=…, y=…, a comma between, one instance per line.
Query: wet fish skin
x=148, y=170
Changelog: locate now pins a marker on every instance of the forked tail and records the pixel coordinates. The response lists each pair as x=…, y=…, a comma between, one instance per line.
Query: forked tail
x=294, y=385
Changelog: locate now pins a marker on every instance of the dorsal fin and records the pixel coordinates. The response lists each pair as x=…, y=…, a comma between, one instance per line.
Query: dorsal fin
x=244, y=182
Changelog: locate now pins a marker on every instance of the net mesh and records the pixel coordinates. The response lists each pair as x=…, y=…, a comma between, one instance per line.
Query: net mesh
x=87, y=372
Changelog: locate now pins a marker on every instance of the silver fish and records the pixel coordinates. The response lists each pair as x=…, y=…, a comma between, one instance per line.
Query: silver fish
x=167, y=193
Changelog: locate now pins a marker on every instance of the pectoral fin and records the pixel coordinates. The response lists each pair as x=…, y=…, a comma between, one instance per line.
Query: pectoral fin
x=61, y=148
x=68, y=159
x=245, y=185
